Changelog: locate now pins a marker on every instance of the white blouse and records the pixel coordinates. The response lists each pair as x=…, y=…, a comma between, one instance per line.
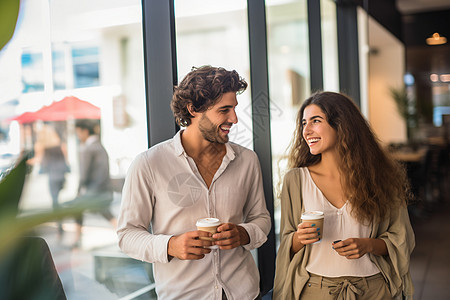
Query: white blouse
x=338, y=225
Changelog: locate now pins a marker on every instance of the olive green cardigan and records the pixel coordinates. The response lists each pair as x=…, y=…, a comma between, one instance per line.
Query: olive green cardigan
x=291, y=275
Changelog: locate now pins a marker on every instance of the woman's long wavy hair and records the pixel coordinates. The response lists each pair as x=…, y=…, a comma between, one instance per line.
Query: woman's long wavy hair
x=372, y=181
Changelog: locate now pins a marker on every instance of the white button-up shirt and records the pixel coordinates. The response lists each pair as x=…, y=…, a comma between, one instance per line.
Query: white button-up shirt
x=164, y=195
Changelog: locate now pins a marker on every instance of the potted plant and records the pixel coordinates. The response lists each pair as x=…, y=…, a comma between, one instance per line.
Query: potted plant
x=406, y=108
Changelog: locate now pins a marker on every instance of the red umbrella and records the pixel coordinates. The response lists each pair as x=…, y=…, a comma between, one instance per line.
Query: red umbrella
x=26, y=117
x=68, y=108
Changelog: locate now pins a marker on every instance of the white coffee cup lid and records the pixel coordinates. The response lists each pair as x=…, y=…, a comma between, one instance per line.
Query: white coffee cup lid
x=208, y=222
x=312, y=215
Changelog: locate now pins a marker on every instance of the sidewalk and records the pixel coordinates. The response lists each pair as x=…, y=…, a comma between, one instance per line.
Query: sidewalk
x=97, y=269
x=76, y=267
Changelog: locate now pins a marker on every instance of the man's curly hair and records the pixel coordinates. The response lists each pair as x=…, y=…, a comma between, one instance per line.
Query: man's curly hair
x=203, y=87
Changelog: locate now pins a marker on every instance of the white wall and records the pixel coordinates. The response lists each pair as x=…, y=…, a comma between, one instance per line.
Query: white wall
x=386, y=69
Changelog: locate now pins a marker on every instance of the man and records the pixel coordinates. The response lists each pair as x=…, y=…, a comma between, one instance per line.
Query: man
x=194, y=175
x=95, y=181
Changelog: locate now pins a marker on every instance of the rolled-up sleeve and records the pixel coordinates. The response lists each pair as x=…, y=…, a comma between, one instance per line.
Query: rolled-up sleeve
x=135, y=216
x=257, y=222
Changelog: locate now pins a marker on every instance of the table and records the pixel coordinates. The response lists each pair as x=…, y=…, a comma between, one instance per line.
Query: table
x=408, y=155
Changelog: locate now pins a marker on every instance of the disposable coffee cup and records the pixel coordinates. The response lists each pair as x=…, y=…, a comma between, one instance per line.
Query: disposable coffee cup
x=314, y=217
x=208, y=225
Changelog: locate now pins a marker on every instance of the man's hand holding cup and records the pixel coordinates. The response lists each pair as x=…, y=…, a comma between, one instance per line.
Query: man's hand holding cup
x=190, y=245
x=230, y=236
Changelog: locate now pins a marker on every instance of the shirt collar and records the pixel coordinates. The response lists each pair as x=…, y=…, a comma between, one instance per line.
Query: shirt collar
x=177, y=143
x=91, y=139
x=230, y=155
x=179, y=150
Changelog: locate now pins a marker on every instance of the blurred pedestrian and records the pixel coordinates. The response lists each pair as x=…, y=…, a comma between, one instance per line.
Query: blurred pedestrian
x=95, y=182
x=50, y=154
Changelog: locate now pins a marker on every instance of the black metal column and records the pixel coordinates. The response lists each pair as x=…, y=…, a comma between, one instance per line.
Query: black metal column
x=160, y=68
x=315, y=45
x=261, y=128
x=347, y=23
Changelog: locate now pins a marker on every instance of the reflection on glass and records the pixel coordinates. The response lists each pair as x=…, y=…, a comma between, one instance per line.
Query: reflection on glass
x=289, y=78
x=85, y=66
x=329, y=46
x=59, y=70
x=71, y=60
x=32, y=72
x=216, y=33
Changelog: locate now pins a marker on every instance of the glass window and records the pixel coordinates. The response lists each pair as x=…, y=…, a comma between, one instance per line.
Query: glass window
x=85, y=66
x=216, y=33
x=32, y=72
x=289, y=79
x=363, y=51
x=71, y=60
x=329, y=45
x=59, y=70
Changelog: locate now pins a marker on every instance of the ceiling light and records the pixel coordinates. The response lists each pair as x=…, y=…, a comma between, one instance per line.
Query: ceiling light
x=436, y=39
x=445, y=77
x=434, y=77
x=408, y=79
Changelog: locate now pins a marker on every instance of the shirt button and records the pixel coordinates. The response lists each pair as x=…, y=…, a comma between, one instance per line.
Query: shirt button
x=309, y=284
x=216, y=287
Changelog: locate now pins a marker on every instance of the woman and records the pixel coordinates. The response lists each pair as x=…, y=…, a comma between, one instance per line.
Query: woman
x=337, y=166
x=51, y=152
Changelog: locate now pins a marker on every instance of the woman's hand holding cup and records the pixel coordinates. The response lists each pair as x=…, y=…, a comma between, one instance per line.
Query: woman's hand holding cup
x=307, y=233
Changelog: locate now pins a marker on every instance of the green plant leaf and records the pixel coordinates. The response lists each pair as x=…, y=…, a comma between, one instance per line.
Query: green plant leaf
x=400, y=97
x=14, y=226
x=9, y=11
x=11, y=189
x=12, y=229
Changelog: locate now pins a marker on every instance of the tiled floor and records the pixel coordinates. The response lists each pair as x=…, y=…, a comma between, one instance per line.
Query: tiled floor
x=430, y=260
